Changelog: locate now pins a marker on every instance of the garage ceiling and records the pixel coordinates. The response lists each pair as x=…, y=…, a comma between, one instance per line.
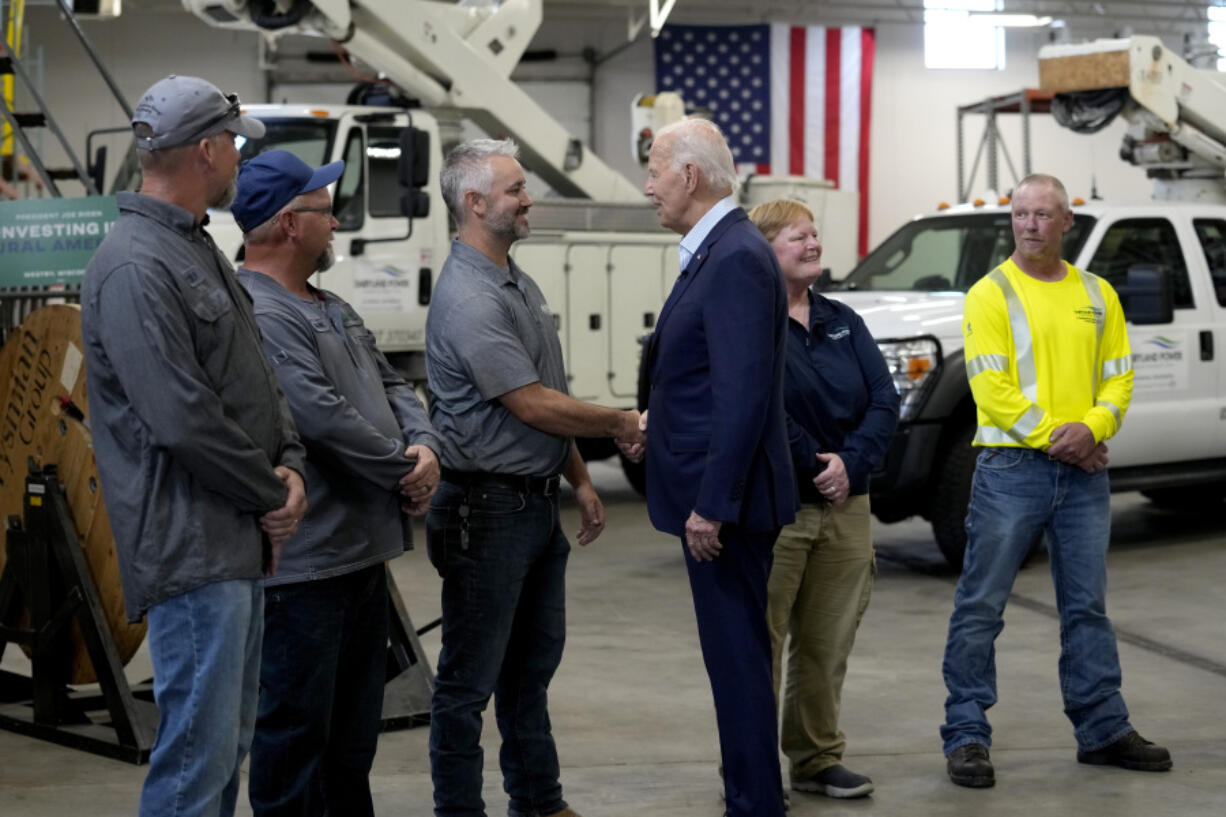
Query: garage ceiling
x=1098, y=15
x=1084, y=19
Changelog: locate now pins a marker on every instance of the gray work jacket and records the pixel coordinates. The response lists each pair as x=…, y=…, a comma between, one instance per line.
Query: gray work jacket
x=356, y=415
x=187, y=419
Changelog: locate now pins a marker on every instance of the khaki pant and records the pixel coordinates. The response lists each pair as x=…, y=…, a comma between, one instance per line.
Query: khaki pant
x=818, y=591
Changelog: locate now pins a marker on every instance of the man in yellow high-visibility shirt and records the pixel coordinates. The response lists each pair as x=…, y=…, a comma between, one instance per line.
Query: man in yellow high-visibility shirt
x=1049, y=365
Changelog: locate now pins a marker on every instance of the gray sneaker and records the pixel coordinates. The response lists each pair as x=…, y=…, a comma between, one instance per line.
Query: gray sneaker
x=835, y=781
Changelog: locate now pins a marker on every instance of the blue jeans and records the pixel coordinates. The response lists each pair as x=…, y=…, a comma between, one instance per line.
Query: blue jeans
x=321, y=696
x=502, y=556
x=205, y=646
x=1017, y=496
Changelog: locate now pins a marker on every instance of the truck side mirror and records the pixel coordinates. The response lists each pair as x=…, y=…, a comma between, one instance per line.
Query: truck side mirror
x=413, y=172
x=1146, y=296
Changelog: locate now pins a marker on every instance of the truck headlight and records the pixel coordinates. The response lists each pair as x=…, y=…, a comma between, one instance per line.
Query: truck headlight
x=913, y=364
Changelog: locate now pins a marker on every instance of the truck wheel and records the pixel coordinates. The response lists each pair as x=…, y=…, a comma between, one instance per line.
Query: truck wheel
x=636, y=474
x=952, y=495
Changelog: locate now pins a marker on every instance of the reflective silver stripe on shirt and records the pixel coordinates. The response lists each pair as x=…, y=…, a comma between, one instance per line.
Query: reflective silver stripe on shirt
x=1114, y=409
x=1117, y=367
x=1090, y=281
x=991, y=435
x=985, y=363
x=1027, y=423
x=1027, y=380
x=1023, y=428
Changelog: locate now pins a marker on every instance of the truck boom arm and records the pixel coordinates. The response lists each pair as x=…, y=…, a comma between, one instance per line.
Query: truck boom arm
x=449, y=56
x=1167, y=101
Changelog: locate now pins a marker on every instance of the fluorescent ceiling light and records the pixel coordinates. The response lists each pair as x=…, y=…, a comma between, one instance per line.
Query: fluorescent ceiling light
x=1010, y=20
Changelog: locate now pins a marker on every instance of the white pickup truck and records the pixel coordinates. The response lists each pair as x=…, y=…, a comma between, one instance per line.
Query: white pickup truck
x=910, y=292
x=1166, y=258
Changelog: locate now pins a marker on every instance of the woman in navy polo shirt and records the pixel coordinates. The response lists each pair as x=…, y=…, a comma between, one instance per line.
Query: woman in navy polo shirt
x=842, y=408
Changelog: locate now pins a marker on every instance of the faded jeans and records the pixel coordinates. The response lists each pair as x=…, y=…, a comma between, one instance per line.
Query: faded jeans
x=205, y=646
x=1018, y=495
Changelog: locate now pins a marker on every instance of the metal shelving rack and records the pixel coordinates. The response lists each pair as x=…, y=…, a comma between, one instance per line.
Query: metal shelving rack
x=1023, y=102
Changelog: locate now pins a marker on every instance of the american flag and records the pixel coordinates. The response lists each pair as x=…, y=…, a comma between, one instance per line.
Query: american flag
x=792, y=100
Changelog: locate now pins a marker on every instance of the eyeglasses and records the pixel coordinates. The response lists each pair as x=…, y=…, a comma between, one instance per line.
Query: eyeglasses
x=326, y=209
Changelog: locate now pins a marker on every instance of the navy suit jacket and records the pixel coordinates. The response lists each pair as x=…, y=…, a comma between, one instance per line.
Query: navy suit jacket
x=717, y=440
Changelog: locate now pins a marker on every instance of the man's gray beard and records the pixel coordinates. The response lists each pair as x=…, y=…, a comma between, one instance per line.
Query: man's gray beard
x=326, y=259
x=227, y=196
x=508, y=227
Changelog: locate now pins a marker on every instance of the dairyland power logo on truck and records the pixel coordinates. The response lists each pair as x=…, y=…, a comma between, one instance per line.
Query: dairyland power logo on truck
x=1159, y=363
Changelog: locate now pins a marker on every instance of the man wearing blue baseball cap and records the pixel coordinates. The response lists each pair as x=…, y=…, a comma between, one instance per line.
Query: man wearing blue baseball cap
x=370, y=447
x=201, y=467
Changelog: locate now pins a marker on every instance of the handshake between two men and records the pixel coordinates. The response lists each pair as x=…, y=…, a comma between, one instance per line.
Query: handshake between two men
x=632, y=442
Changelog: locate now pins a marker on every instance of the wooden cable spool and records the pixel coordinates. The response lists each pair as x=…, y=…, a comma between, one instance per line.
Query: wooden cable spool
x=43, y=361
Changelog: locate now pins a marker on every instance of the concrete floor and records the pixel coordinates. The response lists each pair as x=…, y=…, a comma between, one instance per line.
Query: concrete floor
x=633, y=716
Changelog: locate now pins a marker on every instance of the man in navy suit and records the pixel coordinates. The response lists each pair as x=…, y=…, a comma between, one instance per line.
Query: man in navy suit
x=719, y=471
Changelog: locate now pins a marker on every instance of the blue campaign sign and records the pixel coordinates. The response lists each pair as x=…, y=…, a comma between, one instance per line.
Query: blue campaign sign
x=48, y=242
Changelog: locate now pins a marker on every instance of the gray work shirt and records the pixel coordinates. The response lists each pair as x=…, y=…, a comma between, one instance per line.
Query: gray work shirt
x=355, y=414
x=187, y=419
x=490, y=332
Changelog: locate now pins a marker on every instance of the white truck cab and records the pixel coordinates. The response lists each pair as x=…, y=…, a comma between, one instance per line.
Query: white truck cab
x=910, y=292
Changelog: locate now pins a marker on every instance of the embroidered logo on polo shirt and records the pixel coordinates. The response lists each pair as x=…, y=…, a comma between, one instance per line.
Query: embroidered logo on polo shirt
x=839, y=332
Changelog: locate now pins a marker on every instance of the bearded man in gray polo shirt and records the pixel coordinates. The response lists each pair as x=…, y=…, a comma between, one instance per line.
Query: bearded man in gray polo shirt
x=507, y=422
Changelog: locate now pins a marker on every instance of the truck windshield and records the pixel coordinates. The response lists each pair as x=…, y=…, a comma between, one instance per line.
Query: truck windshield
x=308, y=139
x=947, y=252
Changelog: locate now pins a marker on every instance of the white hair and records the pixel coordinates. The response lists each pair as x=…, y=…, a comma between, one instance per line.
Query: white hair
x=467, y=167
x=701, y=143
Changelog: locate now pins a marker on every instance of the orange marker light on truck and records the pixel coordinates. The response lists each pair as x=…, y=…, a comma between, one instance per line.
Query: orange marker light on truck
x=917, y=367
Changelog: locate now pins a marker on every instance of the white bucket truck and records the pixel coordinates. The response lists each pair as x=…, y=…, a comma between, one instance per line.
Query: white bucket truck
x=597, y=250
x=1166, y=257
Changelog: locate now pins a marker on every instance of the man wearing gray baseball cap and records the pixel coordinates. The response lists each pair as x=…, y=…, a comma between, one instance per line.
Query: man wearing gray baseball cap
x=200, y=463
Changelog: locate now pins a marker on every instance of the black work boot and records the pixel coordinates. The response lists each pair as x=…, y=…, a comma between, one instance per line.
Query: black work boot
x=970, y=766
x=1130, y=752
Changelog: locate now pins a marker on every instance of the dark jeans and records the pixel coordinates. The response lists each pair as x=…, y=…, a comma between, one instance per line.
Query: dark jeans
x=321, y=695
x=502, y=557
x=730, y=603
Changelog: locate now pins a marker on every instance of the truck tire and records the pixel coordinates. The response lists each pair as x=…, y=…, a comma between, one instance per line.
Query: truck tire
x=636, y=474
x=952, y=495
